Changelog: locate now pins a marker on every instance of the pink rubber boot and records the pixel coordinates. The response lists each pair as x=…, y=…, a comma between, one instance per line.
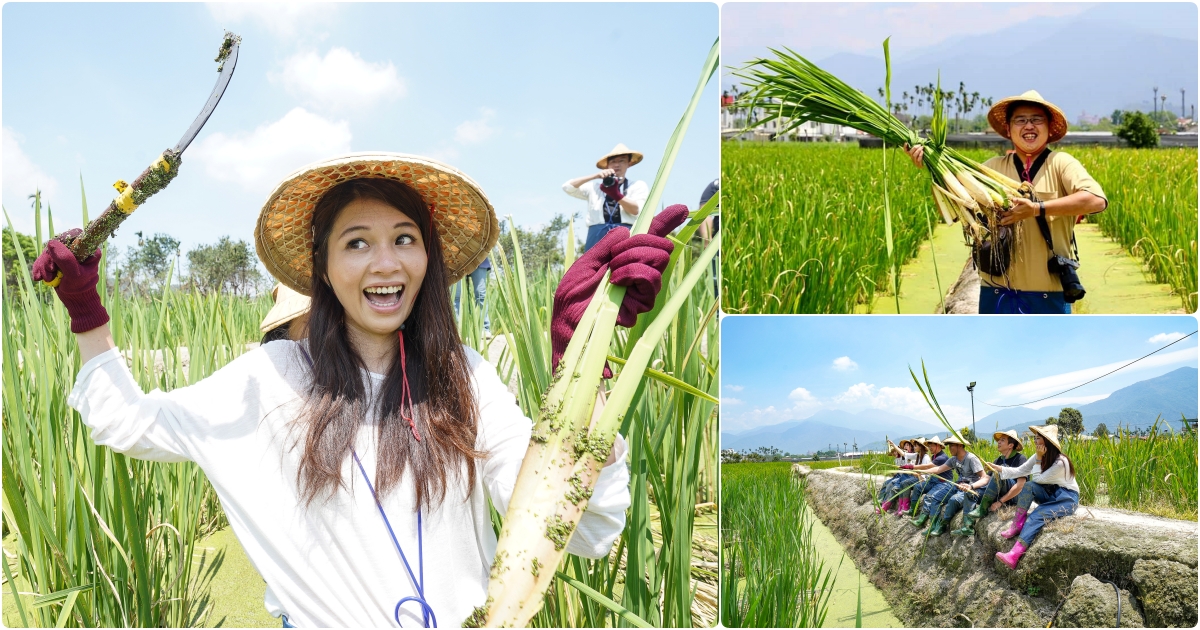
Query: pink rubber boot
x=903, y=507
x=1012, y=557
x=886, y=507
x=1017, y=524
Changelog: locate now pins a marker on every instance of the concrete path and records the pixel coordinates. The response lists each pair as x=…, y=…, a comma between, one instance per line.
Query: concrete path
x=1114, y=280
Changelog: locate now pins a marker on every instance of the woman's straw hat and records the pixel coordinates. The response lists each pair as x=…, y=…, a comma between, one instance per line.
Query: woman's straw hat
x=620, y=149
x=1010, y=434
x=1049, y=433
x=288, y=306
x=920, y=442
x=998, y=114
x=903, y=442
x=462, y=215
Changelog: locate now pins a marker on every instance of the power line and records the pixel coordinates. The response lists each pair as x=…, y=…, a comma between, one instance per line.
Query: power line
x=1098, y=377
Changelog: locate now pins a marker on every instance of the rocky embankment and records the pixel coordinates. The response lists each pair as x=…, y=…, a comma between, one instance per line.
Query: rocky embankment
x=952, y=581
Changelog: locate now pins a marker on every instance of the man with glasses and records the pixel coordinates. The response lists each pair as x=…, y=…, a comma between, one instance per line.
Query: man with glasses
x=613, y=199
x=1044, y=232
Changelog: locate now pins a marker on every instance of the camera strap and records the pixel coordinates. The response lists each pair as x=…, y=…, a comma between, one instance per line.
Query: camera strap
x=1028, y=175
x=612, y=207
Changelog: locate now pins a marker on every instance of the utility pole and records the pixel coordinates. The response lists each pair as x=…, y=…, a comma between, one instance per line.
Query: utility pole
x=971, y=388
x=1155, y=101
x=1182, y=103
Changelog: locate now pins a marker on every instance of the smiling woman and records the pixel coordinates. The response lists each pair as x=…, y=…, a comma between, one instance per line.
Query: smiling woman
x=381, y=383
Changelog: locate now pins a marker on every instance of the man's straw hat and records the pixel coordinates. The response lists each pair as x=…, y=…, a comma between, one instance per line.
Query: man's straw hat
x=998, y=114
x=953, y=439
x=1012, y=435
x=288, y=306
x=620, y=149
x=1048, y=433
x=935, y=440
x=462, y=215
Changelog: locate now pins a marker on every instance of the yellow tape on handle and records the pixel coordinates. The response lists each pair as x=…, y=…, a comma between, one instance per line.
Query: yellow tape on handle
x=124, y=202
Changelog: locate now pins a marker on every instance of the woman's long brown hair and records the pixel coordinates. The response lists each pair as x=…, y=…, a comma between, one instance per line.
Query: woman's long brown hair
x=1051, y=456
x=446, y=414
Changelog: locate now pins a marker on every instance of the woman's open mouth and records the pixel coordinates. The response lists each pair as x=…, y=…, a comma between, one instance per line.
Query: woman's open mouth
x=384, y=297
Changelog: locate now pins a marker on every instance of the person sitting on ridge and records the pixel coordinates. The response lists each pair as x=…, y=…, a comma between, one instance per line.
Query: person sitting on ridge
x=970, y=479
x=1006, y=489
x=1052, y=485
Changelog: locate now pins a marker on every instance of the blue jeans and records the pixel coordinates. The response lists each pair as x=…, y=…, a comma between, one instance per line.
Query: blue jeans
x=998, y=487
x=597, y=232
x=479, y=281
x=286, y=623
x=936, y=494
x=958, y=500
x=1051, y=505
x=993, y=300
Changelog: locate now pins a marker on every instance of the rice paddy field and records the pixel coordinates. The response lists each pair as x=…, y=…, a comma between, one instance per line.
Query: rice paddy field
x=95, y=539
x=805, y=221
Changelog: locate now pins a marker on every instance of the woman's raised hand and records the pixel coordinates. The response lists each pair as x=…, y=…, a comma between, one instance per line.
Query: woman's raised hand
x=74, y=282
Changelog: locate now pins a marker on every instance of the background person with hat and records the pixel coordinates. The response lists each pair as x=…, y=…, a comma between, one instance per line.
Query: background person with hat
x=904, y=454
x=970, y=478
x=288, y=318
x=613, y=200
x=1051, y=484
x=931, y=492
x=904, y=489
x=998, y=491
x=1066, y=191
x=338, y=456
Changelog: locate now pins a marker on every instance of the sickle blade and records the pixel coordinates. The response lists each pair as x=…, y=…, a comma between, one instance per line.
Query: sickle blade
x=228, y=63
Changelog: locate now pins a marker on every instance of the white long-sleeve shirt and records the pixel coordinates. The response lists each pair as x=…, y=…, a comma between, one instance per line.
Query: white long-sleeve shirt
x=332, y=564
x=1057, y=474
x=590, y=192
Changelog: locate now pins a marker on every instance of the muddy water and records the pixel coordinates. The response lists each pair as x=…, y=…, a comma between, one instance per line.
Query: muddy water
x=843, y=604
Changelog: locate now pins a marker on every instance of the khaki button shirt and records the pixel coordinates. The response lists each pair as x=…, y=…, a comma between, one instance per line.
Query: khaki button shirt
x=1060, y=176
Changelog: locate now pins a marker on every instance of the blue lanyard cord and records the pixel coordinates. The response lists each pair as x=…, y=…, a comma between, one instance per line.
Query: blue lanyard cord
x=419, y=598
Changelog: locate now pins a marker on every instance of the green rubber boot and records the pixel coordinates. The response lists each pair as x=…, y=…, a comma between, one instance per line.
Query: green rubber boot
x=981, y=510
x=920, y=520
x=939, y=527
x=968, y=528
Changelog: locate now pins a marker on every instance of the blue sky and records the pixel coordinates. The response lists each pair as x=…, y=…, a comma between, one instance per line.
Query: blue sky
x=521, y=97
x=775, y=369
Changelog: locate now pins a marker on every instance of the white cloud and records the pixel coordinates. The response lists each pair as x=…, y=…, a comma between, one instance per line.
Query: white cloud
x=259, y=159
x=22, y=177
x=1050, y=385
x=844, y=364
x=903, y=401
x=1165, y=337
x=339, y=81
x=477, y=130
x=734, y=388
x=856, y=393
x=801, y=395
x=726, y=400
x=281, y=19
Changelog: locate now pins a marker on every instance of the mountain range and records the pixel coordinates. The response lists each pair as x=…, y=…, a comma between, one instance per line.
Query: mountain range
x=1108, y=57
x=1138, y=405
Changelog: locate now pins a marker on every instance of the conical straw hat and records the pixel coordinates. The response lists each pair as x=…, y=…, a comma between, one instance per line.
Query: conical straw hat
x=1048, y=433
x=620, y=149
x=998, y=114
x=288, y=306
x=462, y=215
x=1012, y=435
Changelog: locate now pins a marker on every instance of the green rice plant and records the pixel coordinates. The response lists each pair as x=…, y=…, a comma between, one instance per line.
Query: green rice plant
x=101, y=539
x=806, y=226
x=771, y=574
x=1151, y=209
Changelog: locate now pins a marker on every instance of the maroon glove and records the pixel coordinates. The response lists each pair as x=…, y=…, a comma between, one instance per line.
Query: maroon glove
x=74, y=282
x=613, y=192
x=907, y=467
x=637, y=263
